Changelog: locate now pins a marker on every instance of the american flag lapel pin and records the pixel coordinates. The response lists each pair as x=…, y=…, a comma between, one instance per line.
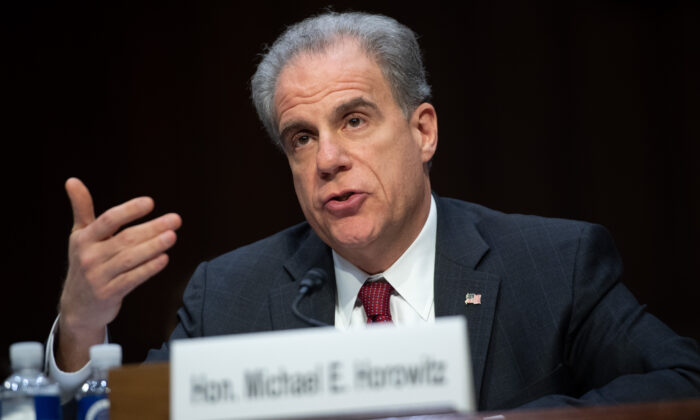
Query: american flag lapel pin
x=473, y=298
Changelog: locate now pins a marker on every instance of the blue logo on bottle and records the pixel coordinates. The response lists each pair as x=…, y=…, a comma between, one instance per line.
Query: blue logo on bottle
x=93, y=407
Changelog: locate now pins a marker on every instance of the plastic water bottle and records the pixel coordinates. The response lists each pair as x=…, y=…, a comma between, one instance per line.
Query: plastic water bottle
x=92, y=397
x=28, y=393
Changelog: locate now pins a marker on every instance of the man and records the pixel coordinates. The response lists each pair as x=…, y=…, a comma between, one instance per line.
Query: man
x=344, y=95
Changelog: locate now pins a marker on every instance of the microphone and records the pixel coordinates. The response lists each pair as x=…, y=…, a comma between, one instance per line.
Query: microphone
x=312, y=280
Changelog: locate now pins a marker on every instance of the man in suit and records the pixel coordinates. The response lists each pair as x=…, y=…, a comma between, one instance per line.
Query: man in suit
x=345, y=97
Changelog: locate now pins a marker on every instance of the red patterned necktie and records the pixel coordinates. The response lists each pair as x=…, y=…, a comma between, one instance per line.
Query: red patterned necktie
x=374, y=296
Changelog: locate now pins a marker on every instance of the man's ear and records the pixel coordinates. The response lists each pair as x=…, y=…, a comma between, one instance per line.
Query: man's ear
x=425, y=130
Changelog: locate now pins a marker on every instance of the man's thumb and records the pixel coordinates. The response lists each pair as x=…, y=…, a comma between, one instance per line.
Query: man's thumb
x=81, y=201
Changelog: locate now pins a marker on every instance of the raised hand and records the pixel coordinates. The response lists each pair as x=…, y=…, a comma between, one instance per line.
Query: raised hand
x=105, y=264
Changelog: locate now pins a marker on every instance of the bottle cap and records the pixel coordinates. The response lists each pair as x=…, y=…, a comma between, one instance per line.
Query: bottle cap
x=26, y=354
x=106, y=356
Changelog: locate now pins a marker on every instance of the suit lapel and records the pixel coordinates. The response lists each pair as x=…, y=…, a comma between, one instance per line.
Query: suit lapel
x=459, y=250
x=320, y=304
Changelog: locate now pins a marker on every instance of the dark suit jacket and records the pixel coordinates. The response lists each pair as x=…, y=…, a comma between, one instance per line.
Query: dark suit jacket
x=555, y=326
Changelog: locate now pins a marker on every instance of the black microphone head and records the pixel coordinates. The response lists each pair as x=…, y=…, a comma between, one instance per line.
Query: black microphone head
x=313, y=278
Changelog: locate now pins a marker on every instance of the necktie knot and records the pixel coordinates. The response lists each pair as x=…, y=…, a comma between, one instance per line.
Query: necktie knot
x=375, y=296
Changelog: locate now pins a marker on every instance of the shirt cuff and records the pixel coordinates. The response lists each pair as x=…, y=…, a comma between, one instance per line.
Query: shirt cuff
x=68, y=382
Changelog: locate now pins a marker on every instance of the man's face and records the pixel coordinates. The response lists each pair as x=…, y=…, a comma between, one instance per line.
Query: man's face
x=358, y=163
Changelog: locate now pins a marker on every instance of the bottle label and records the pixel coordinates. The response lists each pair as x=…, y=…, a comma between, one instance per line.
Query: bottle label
x=93, y=407
x=18, y=408
x=39, y=407
x=47, y=407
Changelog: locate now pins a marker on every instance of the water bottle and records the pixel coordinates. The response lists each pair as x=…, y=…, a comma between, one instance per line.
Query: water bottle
x=28, y=393
x=93, y=395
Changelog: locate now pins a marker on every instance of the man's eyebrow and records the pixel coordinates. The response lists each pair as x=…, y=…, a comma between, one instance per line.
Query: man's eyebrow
x=292, y=126
x=353, y=104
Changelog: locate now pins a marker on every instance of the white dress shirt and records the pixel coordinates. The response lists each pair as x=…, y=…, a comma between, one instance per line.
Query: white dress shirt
x=68, y=382
x=411, y=276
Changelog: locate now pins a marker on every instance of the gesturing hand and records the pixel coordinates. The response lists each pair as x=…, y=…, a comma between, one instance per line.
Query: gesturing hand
x=104, y=266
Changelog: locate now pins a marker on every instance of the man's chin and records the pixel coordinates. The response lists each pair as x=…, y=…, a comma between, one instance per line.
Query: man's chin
x=351, y=238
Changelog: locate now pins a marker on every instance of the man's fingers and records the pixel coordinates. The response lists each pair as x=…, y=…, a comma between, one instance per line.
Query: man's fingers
x=125, y=283
x=110, y=221
x=81, y=202
x=136, y=235
x=132, y=257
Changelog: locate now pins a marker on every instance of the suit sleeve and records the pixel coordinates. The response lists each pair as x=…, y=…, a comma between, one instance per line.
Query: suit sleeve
x=615, y=350
x=189, y=315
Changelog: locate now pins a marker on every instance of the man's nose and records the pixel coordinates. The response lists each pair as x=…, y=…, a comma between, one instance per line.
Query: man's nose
x=331, y=156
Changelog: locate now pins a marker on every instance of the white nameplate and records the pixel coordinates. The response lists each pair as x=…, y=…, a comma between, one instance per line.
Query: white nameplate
x=323, y=372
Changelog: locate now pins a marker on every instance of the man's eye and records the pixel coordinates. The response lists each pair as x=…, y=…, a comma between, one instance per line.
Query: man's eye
x=355, y=122
x=301, y=140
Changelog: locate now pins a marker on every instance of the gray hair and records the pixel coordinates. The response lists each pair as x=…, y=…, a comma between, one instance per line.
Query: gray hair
x=391, y=44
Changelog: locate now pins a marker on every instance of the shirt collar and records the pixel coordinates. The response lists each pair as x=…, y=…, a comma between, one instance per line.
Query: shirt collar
x=412, y=275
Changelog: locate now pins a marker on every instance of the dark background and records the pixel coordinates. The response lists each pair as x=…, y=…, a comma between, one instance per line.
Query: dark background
x=583, y=110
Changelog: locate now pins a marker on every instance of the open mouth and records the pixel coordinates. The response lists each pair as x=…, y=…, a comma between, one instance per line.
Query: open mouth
x=345, y=203
x=342, y=197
